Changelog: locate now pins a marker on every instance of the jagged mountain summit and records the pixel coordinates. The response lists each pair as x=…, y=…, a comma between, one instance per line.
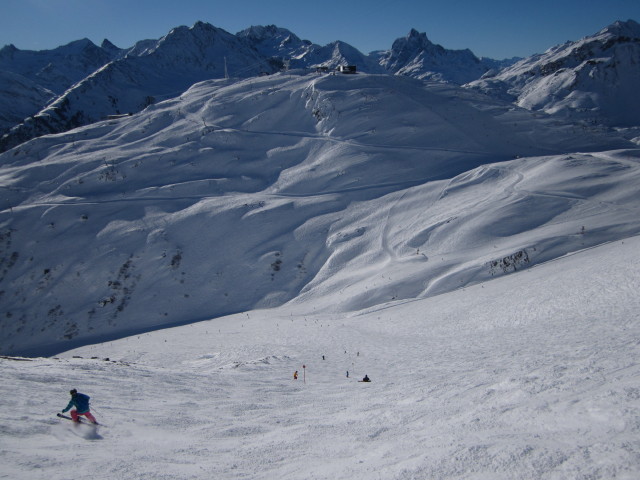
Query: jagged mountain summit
x=416, y=56
x=275, y=42
x=284, y=47
x=595, y=79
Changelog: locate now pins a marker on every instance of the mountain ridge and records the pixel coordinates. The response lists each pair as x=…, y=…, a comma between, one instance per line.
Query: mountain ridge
x=127, y=80
x=254, y=51
x=590, y=80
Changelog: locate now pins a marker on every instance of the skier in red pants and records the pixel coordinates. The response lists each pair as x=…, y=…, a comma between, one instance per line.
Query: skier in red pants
x=81, y=402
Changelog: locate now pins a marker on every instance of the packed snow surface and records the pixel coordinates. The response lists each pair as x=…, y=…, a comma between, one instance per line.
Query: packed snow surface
x=530, y=376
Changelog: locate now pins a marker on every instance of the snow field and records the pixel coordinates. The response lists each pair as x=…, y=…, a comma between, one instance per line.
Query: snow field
x=531, y=376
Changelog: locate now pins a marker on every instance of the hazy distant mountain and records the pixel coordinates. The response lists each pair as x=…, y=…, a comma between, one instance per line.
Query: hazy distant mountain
x=594, y=79
x=494, y=66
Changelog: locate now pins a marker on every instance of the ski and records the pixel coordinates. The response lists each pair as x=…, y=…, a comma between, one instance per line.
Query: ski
x=84, y=422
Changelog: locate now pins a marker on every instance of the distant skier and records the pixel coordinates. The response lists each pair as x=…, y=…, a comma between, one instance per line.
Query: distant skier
x=365, y=379
x=295, y=375
x=81, y=403
x=347, y=373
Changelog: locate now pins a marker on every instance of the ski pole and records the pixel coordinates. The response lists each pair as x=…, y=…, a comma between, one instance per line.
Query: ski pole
x=96, y=410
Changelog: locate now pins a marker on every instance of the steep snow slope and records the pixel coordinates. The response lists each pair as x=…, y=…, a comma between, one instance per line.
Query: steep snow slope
x=245, y=195
x=594, y=79
x=30, y=80
x=532, y=376
x=19, y=98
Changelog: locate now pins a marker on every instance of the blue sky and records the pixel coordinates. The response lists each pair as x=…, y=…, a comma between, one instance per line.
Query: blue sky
x=490, y=28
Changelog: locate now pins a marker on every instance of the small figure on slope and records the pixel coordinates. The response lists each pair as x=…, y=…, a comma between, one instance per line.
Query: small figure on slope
x=81, y=403
x=365, y=379
x=295, y=375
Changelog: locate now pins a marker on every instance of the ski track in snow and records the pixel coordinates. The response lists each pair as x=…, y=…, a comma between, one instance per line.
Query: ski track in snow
x=532, y=376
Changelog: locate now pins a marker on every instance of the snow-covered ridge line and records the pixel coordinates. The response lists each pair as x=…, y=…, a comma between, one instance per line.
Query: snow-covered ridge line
x=130, y=79
x=592, y=80
x=93, y=82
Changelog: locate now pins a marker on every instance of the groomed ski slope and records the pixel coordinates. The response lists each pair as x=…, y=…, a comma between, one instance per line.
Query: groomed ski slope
x=528, y=376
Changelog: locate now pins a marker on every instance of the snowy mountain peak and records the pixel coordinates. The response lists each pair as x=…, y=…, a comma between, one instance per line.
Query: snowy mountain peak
x=8, y=50
x=405, y=48
x=593, y=79
x=128, y=80
x=151, y=71
x=345, y=53
x=260, y=34
x=272, y=41
x=201, y=35
x=413, y=39
x=108, y=46
x=630, y=29
x=416, y=56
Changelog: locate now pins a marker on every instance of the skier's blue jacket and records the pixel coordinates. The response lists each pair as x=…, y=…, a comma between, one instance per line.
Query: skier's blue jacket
x=80, y=401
